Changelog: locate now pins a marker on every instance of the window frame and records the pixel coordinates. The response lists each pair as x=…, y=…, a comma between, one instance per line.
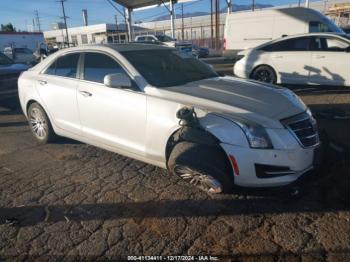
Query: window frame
x=43, y=72
x=328, y=37
x=81, y=66
x=271, y=47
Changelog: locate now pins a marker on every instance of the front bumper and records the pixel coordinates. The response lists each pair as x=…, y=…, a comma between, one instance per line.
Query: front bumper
x=299, y=161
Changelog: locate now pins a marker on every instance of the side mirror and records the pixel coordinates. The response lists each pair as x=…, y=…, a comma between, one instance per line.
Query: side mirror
x=347, y=50
x=118, y=80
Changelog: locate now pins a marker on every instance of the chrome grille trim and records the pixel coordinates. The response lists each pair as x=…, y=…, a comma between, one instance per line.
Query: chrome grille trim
x=304, y=128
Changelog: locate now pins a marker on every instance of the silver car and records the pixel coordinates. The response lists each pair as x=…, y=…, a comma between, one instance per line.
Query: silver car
x=166, y=108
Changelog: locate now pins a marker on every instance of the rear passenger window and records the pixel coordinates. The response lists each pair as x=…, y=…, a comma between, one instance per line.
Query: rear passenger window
x=97, y=66
x=297, y=44
x=64, y=66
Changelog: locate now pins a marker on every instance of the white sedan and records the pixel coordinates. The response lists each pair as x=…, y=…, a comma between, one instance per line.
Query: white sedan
x=316, y=59
x=157, y=105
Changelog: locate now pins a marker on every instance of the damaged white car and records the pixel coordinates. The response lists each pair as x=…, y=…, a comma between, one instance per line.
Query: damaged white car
x=160, y=106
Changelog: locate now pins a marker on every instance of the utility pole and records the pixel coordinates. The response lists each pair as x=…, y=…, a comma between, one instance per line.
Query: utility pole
x=33, y=21
x=253, y=5
x=229, y=6
x=217, y=24
x=299, y=3
x=183, y=25
x=65, y=19
x=117, y=28
x=37, y=18
x=172, y=18
x=307, y=4
x=211, y=24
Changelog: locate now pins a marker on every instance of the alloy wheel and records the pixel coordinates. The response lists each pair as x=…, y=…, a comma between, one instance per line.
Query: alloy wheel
x=38, y=123
x=263, y=76
x=202, y=181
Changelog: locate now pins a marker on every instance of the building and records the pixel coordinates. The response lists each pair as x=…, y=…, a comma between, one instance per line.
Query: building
x=92, y=34
x=31, y=40
x=198, y=28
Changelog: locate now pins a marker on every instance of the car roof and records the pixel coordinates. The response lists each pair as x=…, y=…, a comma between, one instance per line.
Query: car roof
x=135, y=46
x=342, y=35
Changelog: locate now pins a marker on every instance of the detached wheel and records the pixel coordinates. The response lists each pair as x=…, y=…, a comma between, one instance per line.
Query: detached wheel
x=205, y=167
x=264, y=74
x=40, y=124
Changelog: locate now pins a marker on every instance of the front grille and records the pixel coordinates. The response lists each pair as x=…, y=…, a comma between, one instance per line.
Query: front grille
x=304, y=128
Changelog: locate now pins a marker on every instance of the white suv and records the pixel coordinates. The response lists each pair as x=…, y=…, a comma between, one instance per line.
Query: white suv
x=160, y=106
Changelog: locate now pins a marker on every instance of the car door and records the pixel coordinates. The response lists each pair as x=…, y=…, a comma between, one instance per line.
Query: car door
x=112, y=116
x=57, y=87
x=291, y=59
x=330, y=61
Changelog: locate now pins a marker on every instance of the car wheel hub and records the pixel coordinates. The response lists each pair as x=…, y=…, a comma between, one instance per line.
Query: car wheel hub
x=38, y=123
x=204, y=182
x=263, y=76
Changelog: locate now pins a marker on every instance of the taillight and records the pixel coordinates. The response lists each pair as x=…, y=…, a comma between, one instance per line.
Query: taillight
x=224, y=44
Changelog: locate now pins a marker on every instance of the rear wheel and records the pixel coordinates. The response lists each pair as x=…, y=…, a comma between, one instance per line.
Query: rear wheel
x=205, y=167
x=264, y=74
x=40, y=124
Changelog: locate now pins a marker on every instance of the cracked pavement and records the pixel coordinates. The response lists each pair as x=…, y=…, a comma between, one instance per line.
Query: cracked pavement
x=70, y=199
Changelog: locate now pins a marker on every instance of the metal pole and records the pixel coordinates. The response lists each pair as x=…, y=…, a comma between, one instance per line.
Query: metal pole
x=229, y=6
x=37, y=20
x=217, y=25
x=65, y=20
x=307, y=4
x=129, y=23
x=172, y=18
x=183, y=25
x=211, y=25
x=117, y=28
x=253, y=5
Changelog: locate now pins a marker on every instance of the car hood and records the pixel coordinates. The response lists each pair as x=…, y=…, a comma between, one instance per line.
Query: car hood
x=12, y=69
x=238, y=99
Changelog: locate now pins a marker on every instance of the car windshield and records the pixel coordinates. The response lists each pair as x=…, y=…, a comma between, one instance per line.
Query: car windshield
x=4, y=60
x=164, y=38
x=163, y=68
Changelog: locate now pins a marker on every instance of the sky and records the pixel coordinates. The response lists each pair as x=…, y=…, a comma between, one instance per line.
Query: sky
x=21, y=12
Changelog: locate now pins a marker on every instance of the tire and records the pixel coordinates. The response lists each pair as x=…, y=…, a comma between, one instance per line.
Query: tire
x=40, y=124
x=204, y=166
x=264, y=74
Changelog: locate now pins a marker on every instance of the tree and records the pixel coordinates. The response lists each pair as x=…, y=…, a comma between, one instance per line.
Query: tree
x=8, y=28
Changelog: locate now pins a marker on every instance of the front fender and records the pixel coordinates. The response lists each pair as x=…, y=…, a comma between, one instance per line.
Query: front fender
x=224, y=129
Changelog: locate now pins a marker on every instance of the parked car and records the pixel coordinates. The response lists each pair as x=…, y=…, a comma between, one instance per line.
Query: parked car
x=21, y=55
x=346, y=29
x=167, y=40
x=248, y=29
x=9, y=73
x=163, y=107
x=200, y=52
x=318, y=58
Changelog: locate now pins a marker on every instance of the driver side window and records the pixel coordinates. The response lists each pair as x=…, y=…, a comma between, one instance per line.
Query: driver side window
x=97, y=66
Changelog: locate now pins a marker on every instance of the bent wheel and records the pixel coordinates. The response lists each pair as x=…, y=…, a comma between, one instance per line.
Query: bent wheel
x=203, y=166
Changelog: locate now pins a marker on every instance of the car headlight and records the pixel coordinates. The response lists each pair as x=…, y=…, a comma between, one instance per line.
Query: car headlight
x=256, y=136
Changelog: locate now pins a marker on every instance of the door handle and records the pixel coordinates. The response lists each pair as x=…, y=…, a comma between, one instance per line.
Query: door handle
x=85, y=93
x=278, y=56
x=42, y=82
x=320, y=56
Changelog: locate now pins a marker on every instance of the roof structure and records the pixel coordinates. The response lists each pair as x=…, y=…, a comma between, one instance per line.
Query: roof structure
x=134, y=4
